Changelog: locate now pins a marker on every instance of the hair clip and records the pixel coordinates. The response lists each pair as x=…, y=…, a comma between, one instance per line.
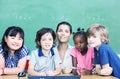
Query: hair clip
x=78, y=29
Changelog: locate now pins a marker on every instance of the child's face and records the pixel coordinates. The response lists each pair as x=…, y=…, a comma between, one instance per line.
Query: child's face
x=46, y=41
x=63, y=33
x=14, y=42
x=94, y=41
x=80, y=43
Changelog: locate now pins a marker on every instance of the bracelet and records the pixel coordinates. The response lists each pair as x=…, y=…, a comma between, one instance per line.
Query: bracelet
x=2, y=70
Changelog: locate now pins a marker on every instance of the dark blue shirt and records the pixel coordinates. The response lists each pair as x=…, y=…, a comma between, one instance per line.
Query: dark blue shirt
x=105, y=55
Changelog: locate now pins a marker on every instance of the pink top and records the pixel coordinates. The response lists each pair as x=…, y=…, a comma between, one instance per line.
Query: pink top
x=83, y=61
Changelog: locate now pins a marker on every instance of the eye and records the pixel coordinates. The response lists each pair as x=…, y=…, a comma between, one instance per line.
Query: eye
x=94, y=36
x=88, y=37
x=43, y=39
x=66, y=31
x=81, y=42
x=50, y=39
x=60, y=30
x=12, y=37
x=20, y=39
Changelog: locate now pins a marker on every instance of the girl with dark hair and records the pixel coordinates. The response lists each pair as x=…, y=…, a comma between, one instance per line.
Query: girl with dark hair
x=82, y=54
x=13, y=53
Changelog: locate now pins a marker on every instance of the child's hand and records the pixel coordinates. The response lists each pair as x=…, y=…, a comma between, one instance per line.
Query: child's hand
x=96, y=69
x=67, y=70
x=50, y=73
x=74, y=71
x=105, y=71
x=0, y=71
x=42, y=74
x=86, y=72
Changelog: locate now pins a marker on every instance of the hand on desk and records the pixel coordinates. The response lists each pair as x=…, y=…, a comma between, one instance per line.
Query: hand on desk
x=0, y=71
x=86, y=72
x=96, y=69
x=66, y=70
x=50, y=73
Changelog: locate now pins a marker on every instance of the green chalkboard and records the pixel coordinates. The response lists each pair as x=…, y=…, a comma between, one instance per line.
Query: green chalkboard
x=32, y=15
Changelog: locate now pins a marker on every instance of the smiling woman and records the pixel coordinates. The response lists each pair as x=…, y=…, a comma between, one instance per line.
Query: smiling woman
x=13, y=53
x=64, y=32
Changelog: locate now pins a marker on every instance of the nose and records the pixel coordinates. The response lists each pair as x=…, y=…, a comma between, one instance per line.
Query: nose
x=90, y=40
x=63, y=32
x=78, y=45
x=16, y=40
x=46, y=41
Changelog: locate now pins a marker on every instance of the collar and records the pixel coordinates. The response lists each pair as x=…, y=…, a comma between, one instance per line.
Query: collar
x=40, y=53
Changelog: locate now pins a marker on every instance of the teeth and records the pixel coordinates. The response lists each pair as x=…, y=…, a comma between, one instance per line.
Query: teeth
x=14, y=44
x=47, y=45
x=63, y=38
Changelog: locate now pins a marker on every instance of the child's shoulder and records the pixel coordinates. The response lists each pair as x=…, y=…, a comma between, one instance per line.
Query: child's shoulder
x=90, y=48
x=25, y=50
x=35, y=51
x=104, y=46
x=74, y=50
x=55, y=49
x=0, y=48
x=70, y=46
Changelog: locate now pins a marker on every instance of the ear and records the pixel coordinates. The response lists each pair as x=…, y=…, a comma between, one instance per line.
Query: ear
x=5, y=38
x=56, y=34
x=38, y=42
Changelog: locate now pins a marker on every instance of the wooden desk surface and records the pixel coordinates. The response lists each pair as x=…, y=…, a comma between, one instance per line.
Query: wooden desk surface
x=82, y=77
x=11, y=77
x=97, y=77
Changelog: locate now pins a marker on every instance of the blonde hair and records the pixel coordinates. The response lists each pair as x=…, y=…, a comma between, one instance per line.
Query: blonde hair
x=102, y=30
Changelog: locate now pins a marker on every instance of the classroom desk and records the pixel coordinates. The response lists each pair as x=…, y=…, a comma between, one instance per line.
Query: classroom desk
x=97, y=77
x=82, y=77
x=11, y=77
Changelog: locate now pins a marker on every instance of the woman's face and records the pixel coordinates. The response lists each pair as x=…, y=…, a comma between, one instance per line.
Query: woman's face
x=14, y=42
x=63, y=33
